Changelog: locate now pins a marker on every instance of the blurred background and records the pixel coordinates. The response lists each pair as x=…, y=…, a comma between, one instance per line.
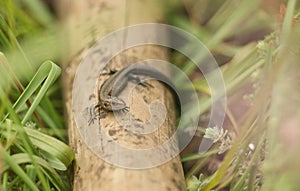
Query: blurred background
x=255, y=43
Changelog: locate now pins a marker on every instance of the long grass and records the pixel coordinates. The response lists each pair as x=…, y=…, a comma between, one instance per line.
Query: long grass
x=256, y=74
x=31, y=159
x=258, y=149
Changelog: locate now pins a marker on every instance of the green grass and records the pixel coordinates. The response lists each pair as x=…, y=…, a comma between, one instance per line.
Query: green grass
x=31, y=158
x=257, y=151
x=248, y=158
x=27, y=147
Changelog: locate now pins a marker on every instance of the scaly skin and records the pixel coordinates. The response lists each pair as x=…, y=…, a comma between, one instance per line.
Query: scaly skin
x=114, y=85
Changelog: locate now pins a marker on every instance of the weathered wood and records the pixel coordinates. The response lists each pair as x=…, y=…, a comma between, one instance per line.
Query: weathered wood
x=86, y=22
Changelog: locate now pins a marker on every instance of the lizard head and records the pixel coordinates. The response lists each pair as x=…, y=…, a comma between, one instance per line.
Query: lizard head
x=113, y=104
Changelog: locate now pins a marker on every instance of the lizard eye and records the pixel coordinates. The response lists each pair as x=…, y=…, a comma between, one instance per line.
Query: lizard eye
x=107, y=103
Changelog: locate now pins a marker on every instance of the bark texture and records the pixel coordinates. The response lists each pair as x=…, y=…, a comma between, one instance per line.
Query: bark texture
x=87, y=21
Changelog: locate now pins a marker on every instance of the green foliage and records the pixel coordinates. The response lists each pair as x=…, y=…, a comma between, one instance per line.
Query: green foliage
x=22, y=145
x=258, y=151
x=253, y=154
x=31, y=158
x=196, y=184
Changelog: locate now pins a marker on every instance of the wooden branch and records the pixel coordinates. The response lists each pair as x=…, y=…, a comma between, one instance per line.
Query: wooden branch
x=87, y=21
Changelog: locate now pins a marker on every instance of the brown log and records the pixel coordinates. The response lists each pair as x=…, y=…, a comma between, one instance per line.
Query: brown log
x=86, y=22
